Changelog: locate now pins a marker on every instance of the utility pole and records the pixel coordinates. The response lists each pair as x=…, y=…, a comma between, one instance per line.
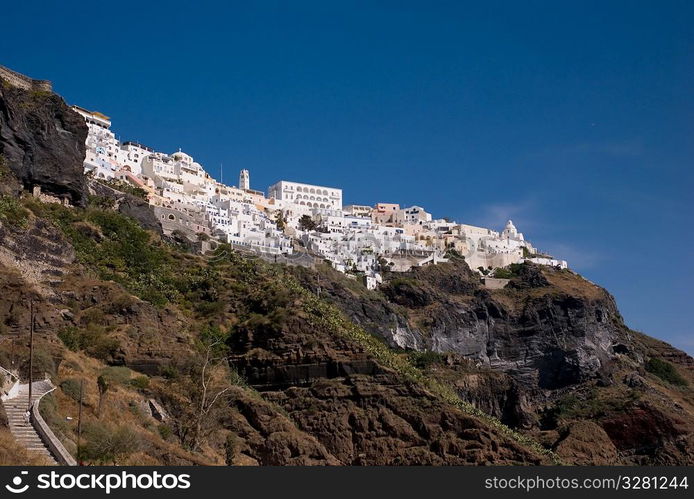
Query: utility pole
x=79, y=423
x=31, y=349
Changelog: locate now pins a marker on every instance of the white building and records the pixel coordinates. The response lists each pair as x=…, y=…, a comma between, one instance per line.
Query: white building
x=244, y=180
x=132, y=154
x=102, y=147
x=357, y=210
x=510, y=232
x=352, y=238
x=312, y=196
x=412, y=215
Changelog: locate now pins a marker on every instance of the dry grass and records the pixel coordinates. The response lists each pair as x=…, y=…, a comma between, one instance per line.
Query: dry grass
x=13, y=454
x=120, y=408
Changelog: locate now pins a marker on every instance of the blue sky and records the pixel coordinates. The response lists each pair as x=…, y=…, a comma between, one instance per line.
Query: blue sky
x=576, y=119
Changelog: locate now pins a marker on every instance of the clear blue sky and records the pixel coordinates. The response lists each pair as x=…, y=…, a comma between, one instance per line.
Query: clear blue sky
x=576, y=119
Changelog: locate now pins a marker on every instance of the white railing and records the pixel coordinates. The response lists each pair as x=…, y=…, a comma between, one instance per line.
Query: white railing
x=54, y=445
x=12, y=392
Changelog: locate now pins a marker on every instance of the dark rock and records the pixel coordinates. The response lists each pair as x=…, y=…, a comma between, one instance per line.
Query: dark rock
x=529, y=276
x=43, y=142
x=129, y=205
x=633, y=380
x=621, y=349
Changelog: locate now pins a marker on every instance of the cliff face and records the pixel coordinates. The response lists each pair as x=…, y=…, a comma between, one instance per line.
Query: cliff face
x=300, y=379
x=549, y=354
x=548, y=335
x=42, y=142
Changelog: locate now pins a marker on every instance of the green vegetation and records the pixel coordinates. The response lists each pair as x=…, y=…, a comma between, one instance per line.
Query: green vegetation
x=109, y=444
x=12, y=212
x=116, y=375
x=307, y=223
x=71, y=388
x=508, y=272
x=423, y=360
x=324, y=315
x=665, y=371
x=140, y=382
x=117, y=248
x=280, y=221
x=591, y=406
x=122, y=186
x=93, y=339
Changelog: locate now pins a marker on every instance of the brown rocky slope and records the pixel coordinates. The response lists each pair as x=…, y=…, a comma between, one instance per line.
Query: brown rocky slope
x=224, y=359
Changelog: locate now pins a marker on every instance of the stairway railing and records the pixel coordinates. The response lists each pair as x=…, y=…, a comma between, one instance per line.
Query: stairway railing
x=12, y=392
x=52, y=442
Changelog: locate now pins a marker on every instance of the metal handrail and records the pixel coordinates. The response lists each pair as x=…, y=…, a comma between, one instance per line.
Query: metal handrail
x=9, y=372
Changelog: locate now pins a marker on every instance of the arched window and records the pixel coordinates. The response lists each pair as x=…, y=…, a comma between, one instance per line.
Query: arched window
x=313, y=191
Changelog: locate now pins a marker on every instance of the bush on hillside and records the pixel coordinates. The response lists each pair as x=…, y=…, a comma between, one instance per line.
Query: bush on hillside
x=665, y=371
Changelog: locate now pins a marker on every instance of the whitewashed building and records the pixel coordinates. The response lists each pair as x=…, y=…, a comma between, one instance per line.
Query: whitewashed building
x=317, y=197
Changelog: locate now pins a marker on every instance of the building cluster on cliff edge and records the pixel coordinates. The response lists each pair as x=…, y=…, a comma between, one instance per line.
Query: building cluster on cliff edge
x=293, y=217
x=24, y=82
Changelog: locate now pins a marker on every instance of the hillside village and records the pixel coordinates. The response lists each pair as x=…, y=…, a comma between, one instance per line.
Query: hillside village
x=295, y=218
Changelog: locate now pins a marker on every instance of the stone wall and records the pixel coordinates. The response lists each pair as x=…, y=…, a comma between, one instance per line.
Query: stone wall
x=22, y=81
x=55, y=446
x=494, y=283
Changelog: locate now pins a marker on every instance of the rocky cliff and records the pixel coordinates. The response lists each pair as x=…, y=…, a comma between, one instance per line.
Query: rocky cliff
x=547, y=354
x=42, y=142
x=258, y=363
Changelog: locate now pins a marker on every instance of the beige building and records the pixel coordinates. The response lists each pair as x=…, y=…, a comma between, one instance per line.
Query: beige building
x=384, y=213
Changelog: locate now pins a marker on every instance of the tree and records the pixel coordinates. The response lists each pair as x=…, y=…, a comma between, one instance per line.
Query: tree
x=280, y=221
x=110, y=444
x=205, y=387
x=103, y=385
x=307, y=223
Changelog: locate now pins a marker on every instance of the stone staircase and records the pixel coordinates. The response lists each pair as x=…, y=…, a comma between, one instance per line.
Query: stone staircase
x=20, y=426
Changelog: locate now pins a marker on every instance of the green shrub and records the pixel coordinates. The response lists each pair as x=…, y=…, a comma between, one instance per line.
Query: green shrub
x=104, y=347
x=43, y=363
x=422, y=360
x=116, y=375
x=107, y=444
x=93, y=339
x=665, y=371
x=502, y=273
x=13, y=213
x=71, y=388
x=122, y=186
x=119, y=250
x=71, y=338
x=169, y=372
x=508, y=272
x=140, y=382
x=164, y=431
